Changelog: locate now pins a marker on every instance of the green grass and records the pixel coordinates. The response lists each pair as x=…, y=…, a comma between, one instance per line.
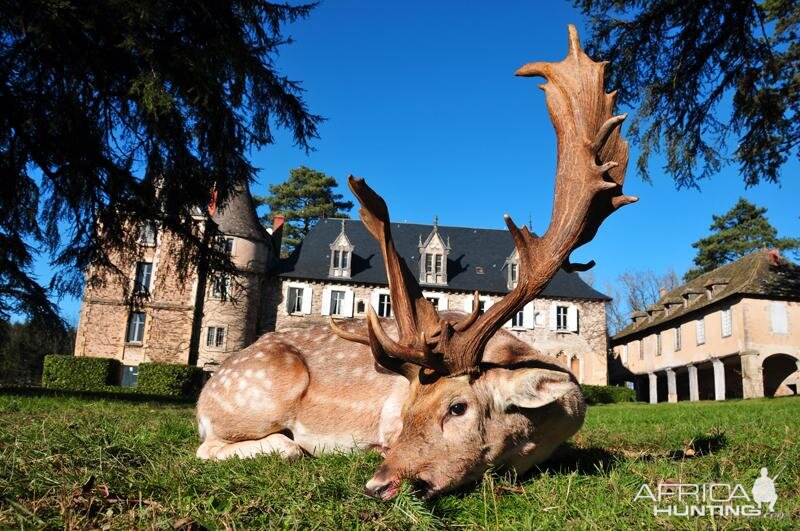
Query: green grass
x=58, y=453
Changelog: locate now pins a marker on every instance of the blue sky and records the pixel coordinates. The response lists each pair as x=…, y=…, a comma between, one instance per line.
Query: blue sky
x=421, y=100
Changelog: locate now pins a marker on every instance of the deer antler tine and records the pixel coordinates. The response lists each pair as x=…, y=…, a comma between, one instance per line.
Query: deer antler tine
x=349, y=336
x=605, y=131
x=569, y=267
x=622, y=200
x=476, y=311
x=390, y=346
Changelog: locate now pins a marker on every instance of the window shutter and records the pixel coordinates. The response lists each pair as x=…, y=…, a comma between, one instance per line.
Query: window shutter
x=468, y=304
x=289, y=299
x=527, y=316
x=347, y=311
x=780, y=321
x=442, y=303
x=307, y=296
x=374, y=299
x=487, y=304
x=326, y=301
x=553, y=316
x=572, y=318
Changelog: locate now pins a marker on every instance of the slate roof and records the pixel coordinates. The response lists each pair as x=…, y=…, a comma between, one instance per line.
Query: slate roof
x=752, y=275
x=237, y=217
x=471, y=249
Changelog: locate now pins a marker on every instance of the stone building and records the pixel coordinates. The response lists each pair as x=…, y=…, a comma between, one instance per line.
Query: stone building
x=156, y=314
x=731, y=333
x=339, y=270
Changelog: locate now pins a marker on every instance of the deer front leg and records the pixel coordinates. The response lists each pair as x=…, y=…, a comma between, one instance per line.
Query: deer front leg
x=277, y=443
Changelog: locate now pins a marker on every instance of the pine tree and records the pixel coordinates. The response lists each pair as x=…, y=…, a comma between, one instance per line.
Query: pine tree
x=123, y=111
x=741, y=230
x=682, y=64
x=305, y=198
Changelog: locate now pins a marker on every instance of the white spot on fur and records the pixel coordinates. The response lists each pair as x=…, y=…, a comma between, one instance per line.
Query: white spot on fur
x=260, y=355
x=242, y=385
x=261, y=374
x=204, y=427
x=240, y=399
x=248, y=373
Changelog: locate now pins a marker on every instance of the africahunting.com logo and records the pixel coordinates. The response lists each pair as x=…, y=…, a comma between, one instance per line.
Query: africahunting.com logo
x=713, y=499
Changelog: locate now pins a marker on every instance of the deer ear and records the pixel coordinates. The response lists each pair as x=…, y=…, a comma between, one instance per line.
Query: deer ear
x=528, y=388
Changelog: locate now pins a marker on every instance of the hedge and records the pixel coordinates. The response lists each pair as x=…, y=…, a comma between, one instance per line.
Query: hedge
x=607, y=394
x=166, y=379
x=101, y=375
x=79, y=373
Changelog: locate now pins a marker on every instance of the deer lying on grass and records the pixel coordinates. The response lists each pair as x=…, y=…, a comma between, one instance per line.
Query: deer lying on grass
x=443, y=396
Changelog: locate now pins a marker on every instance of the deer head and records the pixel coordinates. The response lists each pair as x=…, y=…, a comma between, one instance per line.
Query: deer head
x=475, y=398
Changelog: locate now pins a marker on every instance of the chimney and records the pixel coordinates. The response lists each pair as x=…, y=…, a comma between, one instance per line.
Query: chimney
x=662, y=292
x=774, y=257
x=277, y=233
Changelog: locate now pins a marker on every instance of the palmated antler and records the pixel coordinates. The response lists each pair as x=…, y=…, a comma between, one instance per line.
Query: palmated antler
x=592, y=158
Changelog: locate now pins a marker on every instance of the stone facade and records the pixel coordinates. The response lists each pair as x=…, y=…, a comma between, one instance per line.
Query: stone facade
x=584, y=350
x=180, y=317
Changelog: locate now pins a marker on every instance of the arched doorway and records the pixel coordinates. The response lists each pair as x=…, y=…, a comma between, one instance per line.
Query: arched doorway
x=780, y=375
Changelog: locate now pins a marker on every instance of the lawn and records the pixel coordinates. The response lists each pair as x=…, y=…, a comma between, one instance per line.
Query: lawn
x=71, y=462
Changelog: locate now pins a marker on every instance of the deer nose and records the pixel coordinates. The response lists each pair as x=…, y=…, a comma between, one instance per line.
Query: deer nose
x=382, y=489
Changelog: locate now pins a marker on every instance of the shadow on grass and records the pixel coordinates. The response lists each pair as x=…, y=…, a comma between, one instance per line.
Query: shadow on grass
x=568, y=458
x=131, y=396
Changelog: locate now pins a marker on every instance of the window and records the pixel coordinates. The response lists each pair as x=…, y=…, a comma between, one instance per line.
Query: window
x=658, y=344
x=294, y=300
x=130, y=376
x=701, y=330
x=518, y=320
x=337, y=302
x=360, y=307
x=513, y=273
x=779, y=318
x=481, y=306
x=340, y=263
x=135, y=333
x=384, y=305
x=561, y=318
x=434, y=268
x=141, y=283
x=677, y=338
x=219, y=287
x=434, y=301
x=726, y=322
x=624, y=354
x=147, y=233
x=225, y=245
x=215, y=337
x=641, y=349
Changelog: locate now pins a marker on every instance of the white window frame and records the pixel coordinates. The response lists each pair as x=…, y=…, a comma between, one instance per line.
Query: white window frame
x=142, y=287
x=308, y=293
x=678, y=338
x=384, y=305
x=726, y=322
x=345, y=308
x=700, y=331
x=135, y=336
x=483, y=300
x=145, y=235
x=217, y=294
x=216, y=337
x=624, y=354
x=779, y=317
x=441, y=298
x=658, y=344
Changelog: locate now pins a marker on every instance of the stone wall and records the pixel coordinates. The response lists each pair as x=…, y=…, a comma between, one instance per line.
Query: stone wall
x=587, y=347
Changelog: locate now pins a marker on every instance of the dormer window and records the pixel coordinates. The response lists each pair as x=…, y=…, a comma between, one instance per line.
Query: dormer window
x=433, y=257
x=512, y=266
x=689, y=296
x=341, y=255
x=714, y=286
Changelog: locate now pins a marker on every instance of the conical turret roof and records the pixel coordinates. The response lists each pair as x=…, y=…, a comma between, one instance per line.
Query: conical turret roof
x=237, y=217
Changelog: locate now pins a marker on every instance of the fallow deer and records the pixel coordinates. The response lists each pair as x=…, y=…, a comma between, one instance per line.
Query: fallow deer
x=444, y=396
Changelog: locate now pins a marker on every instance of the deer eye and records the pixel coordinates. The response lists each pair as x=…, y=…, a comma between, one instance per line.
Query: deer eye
x=458, y=409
